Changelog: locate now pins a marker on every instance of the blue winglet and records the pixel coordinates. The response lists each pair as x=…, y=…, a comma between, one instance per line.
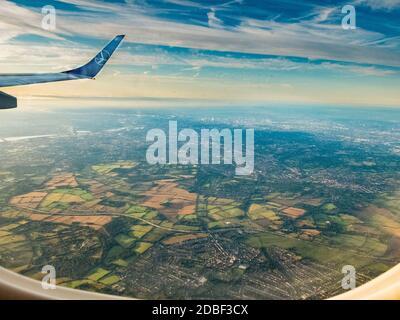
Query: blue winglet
x=91, y=69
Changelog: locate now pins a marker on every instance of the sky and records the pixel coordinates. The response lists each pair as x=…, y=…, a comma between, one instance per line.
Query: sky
x=186, y=52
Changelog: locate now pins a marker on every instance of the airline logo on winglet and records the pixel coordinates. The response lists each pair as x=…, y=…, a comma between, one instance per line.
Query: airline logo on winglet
x=102, y=58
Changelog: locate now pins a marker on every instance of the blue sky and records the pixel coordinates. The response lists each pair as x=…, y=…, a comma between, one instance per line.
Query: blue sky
x=239, y=51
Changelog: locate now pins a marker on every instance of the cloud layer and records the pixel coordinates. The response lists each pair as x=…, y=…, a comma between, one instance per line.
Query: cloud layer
x=277, y=43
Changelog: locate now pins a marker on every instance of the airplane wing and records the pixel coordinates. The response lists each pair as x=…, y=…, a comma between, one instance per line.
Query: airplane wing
x=88, y=71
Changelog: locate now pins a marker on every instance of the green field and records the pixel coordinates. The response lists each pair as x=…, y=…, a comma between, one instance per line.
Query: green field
x=98, y=274
x=124, y=240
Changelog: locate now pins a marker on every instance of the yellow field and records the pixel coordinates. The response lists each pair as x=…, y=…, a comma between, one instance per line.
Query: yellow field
x=51, y=198
x=11, y=239
x=62, y=180
x=28, y=200
x=98, y=274
x=142, y=247
x=107, y=168
x=170, y=200
x=182, y=238
x=94, y=222
x=221, y=209
x=65, y=196
x=109, y=281
x=138, y=231
x=257, y=211
x=4, y=233
x=384, y=220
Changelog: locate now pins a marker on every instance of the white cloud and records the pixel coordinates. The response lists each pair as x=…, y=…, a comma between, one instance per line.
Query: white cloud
x=187, y=3
x=358, y=70
x=381, y=4
x=306, y=38
x=16, y=20
x=213, y=21
x=323, y=14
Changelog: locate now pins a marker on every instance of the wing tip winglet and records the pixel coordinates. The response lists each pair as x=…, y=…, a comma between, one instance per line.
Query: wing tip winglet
x=94, y=66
